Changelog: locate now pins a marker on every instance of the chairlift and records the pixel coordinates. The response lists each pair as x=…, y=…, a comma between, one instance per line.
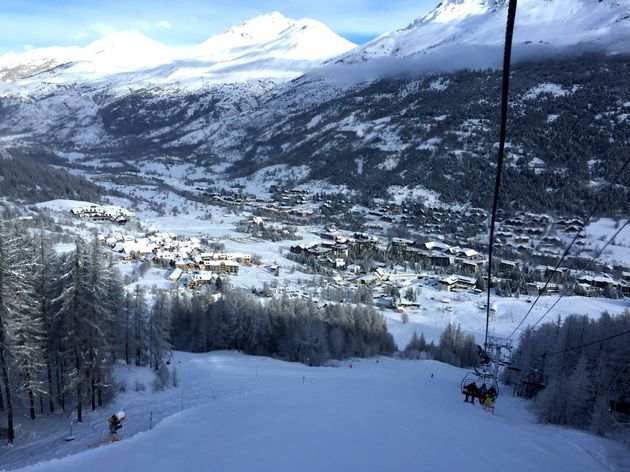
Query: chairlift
x=480, y=379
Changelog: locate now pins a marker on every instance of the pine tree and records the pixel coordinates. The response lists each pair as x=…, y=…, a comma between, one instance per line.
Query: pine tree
x=8, y=280
x=44, y=294
x=159, y=332
x=73, y=308
x=139, y=315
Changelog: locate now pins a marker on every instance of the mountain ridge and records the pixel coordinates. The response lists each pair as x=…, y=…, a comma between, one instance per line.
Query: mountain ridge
x=268, y=46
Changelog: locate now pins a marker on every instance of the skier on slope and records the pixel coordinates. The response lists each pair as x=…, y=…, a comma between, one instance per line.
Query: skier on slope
x=115, y=422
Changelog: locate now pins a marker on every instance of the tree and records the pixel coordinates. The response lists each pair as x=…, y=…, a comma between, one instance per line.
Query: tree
x=74, y=310
x=159, y=331
x=10, y=282
x=44, y=295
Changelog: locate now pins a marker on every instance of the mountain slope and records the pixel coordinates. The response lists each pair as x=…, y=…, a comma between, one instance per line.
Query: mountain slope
x=385, y=415
x=471, y=32
x=269, y=46
x=401, y=111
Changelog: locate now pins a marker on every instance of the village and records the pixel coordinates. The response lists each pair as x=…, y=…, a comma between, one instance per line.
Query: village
x=327, y=263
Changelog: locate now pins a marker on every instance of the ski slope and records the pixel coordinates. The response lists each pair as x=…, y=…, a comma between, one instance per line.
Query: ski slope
x=381, y=414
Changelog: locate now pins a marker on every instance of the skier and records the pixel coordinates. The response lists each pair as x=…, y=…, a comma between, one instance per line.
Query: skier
x=115, y=423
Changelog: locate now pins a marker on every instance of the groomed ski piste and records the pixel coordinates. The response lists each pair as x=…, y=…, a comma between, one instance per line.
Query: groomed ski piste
x=232, y=412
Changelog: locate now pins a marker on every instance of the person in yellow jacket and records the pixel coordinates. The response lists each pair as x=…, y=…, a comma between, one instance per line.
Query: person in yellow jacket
x=489, y=403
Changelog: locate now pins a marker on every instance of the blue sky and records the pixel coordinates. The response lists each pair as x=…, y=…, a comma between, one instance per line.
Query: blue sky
x=25, y=24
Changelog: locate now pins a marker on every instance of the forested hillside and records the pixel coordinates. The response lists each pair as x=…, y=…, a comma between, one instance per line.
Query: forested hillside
x=29, y=179
x=576, y=378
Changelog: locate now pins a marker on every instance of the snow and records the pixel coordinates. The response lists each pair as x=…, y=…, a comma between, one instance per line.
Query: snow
x=461, y=34
x=439, y=85
x=268, y=46
x=63, y=205
x=244, y=413
x=556, y=90
x=400, y=194
x=599, y=232
x=464, y=309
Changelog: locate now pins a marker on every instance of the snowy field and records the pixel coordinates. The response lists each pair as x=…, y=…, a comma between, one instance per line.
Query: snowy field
x=464, y=309
x=243, y=413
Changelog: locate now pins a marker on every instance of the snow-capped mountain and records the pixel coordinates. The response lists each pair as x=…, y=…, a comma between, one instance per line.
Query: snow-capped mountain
x=361, y=120
x=471, y=32
x=267, y=47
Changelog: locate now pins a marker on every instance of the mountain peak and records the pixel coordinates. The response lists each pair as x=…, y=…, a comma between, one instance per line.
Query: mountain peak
x=263, y=27
x=124, y=40
x=453, y=10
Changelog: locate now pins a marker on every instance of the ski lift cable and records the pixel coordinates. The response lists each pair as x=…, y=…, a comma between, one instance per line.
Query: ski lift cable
x=568, y=249
x=564, y=292
x=507, y=53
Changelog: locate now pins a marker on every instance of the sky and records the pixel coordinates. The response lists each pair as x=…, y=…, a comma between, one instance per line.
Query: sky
x=26, y=24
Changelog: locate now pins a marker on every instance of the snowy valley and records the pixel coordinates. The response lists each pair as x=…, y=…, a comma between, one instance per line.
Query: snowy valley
x=269, y=250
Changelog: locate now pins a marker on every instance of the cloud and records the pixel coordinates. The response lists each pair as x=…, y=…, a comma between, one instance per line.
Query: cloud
x=164, y=24
x=28, y=47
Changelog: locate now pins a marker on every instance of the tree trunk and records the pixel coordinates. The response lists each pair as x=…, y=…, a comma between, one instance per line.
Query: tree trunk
x=77, y=366
x=127, y=360
x=51, y=403
x=7, y=390
x=61, y=395
x=99, y=391
x=93, y=392
x=31, y=403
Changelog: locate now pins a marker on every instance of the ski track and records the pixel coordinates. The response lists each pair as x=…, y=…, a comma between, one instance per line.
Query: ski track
x=243, y=413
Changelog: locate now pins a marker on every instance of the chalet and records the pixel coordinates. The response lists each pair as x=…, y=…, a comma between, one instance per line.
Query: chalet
x=469, y=254
x=340, y=250
x=367, y=280
x=602, y=281
x=399, y=245
x=221, y=267
x=470, y=267
x=535, y=231
x=537, y=288
x=436, y=246
x=441, y=260
x=508, y=266
x=559, y=274
x=103, y=213
x=202, y=278
x=456, y=282
x=175, y=275
x=586, y=290
x=521, y=240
